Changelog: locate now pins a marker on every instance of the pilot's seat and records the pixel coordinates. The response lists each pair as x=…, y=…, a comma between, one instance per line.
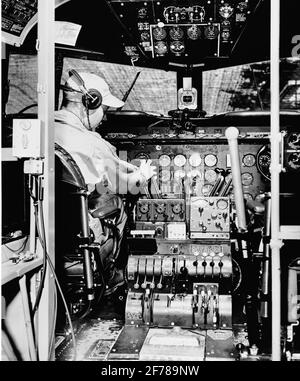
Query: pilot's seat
x=79, y=259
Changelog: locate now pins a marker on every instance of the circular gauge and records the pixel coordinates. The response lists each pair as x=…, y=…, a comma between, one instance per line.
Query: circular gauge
x=263, y=161
x=142, y=156
x=211, y=32
x=194, y=32
x=164, y=160
x=206, y=189
x=249, y=160
x=161, y=48
x=169, y=13
x=210, y=160
x=176, y=33
x=198, y=13
x=210, y=175
x=242, y=6
x=195, y=159
x=177, y=47
x=178, y=175
x=165, y=176
x=159, y=33
x=248, y=196
x=179, y=160
x=247, y=179
x=142, y=13
x=222, y=204
x=294, y=160
x=294, y=140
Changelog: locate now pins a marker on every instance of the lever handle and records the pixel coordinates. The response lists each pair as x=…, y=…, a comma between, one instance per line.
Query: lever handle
x=232, y=134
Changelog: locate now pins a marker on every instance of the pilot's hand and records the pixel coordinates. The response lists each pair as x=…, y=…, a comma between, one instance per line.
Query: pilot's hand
x=147, y=170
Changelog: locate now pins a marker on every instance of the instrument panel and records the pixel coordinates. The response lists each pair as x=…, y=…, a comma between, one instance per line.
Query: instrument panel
x=193, y=169
x=179, y=29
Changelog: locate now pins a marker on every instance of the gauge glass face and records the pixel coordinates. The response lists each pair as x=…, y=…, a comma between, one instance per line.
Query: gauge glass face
x=294, y=141
x=161, y=48
x=248, y=196
x=142, y=156
x=206, y=189
x=195, y=159
x=164, y=160
x=177, y=47
x=194, y=32
x=159, y=33
x=210, y=175
x=176, y=33
x=264, y=160
x=247, y=179
x=179, y=160
x=165, y=176
x=178, y=175
x=222, y=204
x=249, y=160
x=210, y=160
x=294, y=160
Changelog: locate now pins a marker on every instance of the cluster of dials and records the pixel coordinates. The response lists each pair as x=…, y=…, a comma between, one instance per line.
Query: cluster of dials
x=174, y=29
x=293, y=151
x=160, y=210
x=189, y=168
x=173, y=37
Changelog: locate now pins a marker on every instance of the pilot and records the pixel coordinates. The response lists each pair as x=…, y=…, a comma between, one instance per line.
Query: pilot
x=86, y=97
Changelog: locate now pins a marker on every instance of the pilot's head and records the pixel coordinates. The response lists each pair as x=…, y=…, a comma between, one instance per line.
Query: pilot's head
x=88, y=101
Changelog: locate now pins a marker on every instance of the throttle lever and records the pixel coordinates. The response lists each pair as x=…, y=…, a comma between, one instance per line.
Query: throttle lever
x=222, y=173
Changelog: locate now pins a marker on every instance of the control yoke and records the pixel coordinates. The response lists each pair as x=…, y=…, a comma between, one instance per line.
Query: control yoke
x=232, y=134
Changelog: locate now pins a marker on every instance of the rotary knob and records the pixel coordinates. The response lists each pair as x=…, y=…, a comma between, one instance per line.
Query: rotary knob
x=176, y=208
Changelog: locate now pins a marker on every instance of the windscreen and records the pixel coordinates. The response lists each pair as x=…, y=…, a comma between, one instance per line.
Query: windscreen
x=237, y=88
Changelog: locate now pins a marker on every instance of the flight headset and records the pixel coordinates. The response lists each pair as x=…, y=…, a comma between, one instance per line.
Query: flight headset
x=91, y=98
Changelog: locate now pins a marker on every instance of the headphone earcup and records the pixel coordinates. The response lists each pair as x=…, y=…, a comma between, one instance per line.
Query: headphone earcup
x=92, y=100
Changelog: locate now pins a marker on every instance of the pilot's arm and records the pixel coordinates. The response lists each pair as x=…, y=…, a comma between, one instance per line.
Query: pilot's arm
x=118, y=176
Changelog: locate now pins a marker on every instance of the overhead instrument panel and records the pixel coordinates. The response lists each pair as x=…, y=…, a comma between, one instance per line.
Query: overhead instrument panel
x=183, y=30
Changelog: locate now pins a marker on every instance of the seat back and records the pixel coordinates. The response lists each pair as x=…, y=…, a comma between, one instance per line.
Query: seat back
x=68, y=171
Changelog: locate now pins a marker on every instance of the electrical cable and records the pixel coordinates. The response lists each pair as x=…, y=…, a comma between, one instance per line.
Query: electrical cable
x=44, y=267
x=20, y=249
x=61, y=293
x=38, y=209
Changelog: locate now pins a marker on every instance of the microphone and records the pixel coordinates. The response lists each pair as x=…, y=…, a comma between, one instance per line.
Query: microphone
x=232, y=134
